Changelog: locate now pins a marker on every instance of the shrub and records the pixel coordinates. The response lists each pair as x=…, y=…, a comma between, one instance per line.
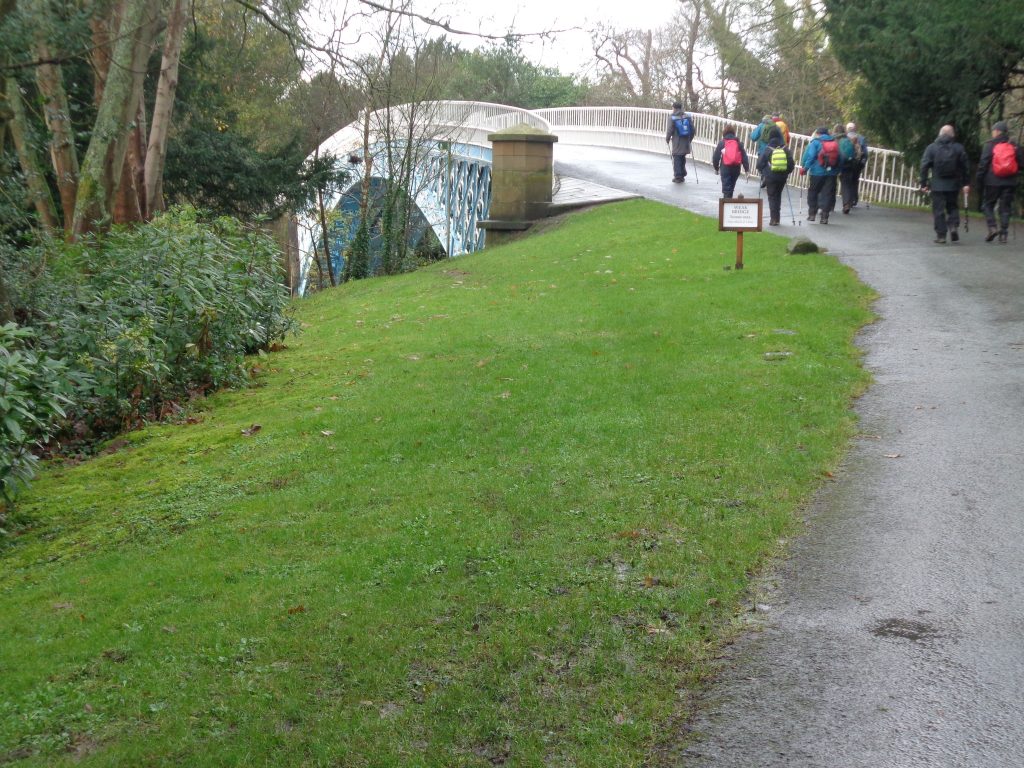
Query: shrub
x=154, y=314
x=32, y=401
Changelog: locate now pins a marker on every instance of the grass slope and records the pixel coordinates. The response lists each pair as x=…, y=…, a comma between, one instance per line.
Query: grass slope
x=498, y=511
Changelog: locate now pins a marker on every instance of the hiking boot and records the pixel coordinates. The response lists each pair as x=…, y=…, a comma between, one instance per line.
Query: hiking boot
x=677, y=181
x=773, y=223
x=941, y=240
x=824, y=218
x=954, y=235
x=810, y=216
x=992, y=234
x=1002, y=237
x=846, y=209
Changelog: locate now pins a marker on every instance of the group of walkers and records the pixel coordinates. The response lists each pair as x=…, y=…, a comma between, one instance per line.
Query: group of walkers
x=830, y=158
x=834, y=160
x=945, y=172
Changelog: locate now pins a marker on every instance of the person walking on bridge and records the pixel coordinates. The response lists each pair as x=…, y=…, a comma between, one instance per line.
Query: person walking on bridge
x=679, y=135
x=775, y=164
x=728, y=159
x=760, y=133
x=946, y=161
x=822, y=161
x=998, y=176
x=855, y=156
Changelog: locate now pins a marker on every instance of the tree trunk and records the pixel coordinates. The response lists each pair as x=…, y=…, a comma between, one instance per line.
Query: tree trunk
x=63, y=155
x=34, y=179
x=103, y=164
x=129, y=203
x=156, y=151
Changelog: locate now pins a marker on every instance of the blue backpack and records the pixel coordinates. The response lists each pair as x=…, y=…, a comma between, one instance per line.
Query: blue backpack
x=684, y=126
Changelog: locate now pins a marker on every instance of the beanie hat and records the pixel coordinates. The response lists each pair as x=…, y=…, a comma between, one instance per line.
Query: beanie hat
x=1001, y=126
x=821, y=130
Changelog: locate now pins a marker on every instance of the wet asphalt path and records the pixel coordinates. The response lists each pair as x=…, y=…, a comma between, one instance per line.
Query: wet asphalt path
x=893, y=635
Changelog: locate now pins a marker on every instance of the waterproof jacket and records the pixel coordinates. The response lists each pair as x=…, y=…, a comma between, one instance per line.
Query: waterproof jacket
x=764, y=161
x=716, y=158
x=985, y=176
x=760, y=135
x=810, y=158
x=680, y=144
x=935, y=150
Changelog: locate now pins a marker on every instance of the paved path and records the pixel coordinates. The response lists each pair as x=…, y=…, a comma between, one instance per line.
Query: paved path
x=894, y=633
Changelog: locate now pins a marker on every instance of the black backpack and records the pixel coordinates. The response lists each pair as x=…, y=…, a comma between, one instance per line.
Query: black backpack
x=945, y=160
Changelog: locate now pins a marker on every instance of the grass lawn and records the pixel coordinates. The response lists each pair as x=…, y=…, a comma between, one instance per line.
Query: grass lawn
x=498, y=511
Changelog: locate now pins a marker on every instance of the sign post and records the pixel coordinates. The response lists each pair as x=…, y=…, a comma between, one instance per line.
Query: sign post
x=739, y=215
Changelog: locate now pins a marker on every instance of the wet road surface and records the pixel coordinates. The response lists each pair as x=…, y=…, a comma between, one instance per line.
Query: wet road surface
x=893, y=634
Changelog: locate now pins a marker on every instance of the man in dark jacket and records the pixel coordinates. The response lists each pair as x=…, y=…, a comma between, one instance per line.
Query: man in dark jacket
x=775, y=164
x=679, y=144
x=728, y=158
x=946, y=161
x=997, y=183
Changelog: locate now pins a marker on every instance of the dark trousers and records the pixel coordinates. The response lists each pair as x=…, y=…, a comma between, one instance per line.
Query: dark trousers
x=729, y=173
x=773, y=191
x=1004, y=197
x=944, y=208
x=850, y=188
x=821, y=195
x=678, y=167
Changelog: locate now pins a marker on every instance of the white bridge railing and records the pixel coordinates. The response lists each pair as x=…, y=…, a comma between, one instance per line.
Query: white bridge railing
x=886, y=178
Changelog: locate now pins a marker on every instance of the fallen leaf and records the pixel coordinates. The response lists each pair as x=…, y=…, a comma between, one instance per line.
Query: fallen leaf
x=620, y=719
x=296, y=609
x=252, y=430
x=650, y=581
x=505, y=395
x=170, y=629
x=711, y=602
x=893, y=455
x=63, y=606
x=326, y=432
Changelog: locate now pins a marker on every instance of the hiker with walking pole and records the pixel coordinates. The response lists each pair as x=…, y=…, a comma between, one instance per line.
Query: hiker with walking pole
x=679, y=136
x=945, y=160
x=775, y=164
x=998, y=176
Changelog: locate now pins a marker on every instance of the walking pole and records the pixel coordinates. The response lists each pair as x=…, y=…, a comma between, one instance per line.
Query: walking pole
x=967, y=214
x=789, y=197
x=694, y=161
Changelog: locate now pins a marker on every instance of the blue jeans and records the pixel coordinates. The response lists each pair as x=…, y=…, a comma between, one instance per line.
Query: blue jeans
x=678, y=166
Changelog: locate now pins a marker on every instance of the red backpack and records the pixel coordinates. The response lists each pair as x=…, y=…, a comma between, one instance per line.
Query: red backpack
x=731, y=154
x=1004, y=160
x=828, y=155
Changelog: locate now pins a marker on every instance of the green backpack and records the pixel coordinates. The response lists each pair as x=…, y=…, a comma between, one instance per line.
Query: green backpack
x=779, y=163
x=848, y=150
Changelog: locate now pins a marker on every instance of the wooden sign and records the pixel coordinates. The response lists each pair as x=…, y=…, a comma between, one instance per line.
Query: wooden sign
x=739, y=215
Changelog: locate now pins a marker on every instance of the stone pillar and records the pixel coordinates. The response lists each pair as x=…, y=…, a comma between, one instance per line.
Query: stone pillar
x=522, y=174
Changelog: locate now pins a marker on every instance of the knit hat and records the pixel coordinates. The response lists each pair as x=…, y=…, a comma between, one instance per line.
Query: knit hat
x=821, y=130
x=1001, y=126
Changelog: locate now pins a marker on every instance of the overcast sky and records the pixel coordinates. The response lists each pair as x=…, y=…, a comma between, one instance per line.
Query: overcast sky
x=569, y=51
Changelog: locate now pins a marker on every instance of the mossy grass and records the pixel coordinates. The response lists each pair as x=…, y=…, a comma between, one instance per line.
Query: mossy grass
x=499, y=510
